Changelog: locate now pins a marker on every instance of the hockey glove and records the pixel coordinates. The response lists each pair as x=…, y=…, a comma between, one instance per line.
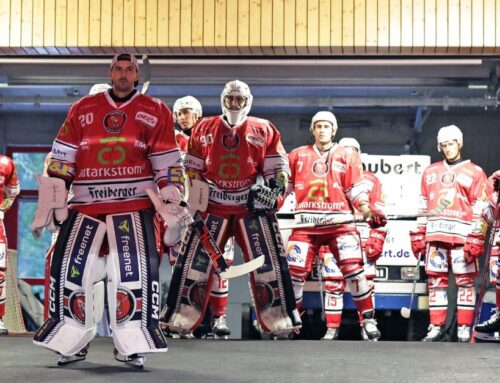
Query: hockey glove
x=262, y=199
x=474, y=247
x=374, y=217
x=375, y=244
x=417, y=238
x=52, y=203
x=172, y=209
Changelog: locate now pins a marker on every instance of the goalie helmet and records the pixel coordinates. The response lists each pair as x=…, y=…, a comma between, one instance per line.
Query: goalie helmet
x=449, y=133
x=99, y=88
x=350, y=142
x=324, y=115
x=236, y=88
x=188, y=102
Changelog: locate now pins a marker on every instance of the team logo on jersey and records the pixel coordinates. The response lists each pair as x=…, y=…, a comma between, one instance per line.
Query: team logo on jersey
x=114, y=121
x=230, y=141
x=447, y=178
x=77, y=306
x=320, y=168
x=125, y=305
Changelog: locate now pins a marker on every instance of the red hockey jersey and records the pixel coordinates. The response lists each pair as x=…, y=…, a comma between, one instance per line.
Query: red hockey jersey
x=231, y=158
x=492, y=208
x=110, y=154
x=454, y=223
x=9, y=184
x=182, y=140
x=327, y=185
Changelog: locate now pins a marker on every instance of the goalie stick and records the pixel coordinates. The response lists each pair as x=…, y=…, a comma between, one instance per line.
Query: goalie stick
x=198, y=201
x=394, y=217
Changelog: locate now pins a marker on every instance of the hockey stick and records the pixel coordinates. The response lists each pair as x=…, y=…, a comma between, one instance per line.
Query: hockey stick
x=147, y=74
x=321, y=289
x=484, y=277
x=406, y=311
x=198, y=201
x=395, y=217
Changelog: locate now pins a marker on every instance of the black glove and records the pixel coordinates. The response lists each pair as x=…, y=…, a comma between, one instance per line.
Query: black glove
x=262, y=199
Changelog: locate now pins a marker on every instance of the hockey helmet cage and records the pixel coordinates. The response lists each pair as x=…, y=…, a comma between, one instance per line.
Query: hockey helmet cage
x=99, y=88
x=350, y=142
x=324, y=115
x=236, y=88
x=188, y=102
x=449, y=133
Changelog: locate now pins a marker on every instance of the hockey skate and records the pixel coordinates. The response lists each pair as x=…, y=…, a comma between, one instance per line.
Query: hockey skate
x=463, y=333
x=3, y=329
x=364, y=335
x=134, y=360
x=187, y=335
x=492, y=324
x=370, y=326
x=435, y=333
x=63, y=360
x=332, y=333
x=220, y=329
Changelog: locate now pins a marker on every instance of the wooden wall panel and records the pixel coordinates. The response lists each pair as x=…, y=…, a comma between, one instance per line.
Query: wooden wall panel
x=269, y=27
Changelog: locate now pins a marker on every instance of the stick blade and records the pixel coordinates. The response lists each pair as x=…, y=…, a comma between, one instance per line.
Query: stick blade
x=245, y=268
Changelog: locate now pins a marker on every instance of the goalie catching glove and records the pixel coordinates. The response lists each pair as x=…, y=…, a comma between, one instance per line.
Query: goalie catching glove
x=474, y=247
x=172, y=209
x=52, y=203
x=265, y=199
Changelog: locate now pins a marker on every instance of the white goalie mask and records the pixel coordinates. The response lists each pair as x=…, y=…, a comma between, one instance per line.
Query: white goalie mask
x=449, y=133
x=188, y=102
x=236, y=88
x=99, y=88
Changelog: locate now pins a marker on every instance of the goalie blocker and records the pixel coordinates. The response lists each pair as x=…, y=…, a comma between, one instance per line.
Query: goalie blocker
x=76, y=276
x=270, y=284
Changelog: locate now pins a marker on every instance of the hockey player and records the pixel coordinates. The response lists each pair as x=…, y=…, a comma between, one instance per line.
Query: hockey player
x=230, y=151
x=327, y=180
x=493, y=188
x=111, y=148
x=372, y=240
x=454, y=238
x=187, y=112
x=9, y=189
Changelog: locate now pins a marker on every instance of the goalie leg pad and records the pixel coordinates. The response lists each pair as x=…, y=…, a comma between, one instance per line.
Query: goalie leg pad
x=192, y=277
x=271, y=284
x=74, y=268
x=133, y=283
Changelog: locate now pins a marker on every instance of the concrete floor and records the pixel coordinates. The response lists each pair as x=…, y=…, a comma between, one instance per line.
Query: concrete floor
x=234, y=361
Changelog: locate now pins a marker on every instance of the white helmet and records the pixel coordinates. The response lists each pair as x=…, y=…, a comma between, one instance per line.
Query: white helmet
x=350, y=142
x=236, y=88
x=188, y=102
x=99, y=88
x=450, y=133
x=324, y=115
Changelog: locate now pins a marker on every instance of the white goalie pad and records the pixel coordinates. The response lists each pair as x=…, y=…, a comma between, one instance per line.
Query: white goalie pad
x=133, y=284
x=74, y=303
x=52, y=201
